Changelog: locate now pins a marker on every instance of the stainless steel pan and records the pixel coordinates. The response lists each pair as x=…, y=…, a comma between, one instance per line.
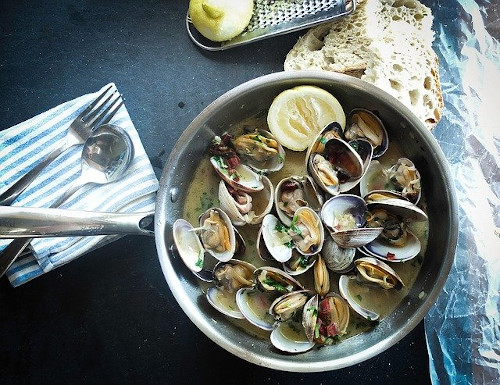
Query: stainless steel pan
x=244, y=101
x=418, y=144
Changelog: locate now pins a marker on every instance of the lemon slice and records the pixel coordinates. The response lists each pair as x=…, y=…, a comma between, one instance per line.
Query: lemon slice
x=220, y=20
x=297, y=115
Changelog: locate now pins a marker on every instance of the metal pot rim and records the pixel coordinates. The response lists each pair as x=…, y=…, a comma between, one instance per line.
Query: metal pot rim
x=392, y=329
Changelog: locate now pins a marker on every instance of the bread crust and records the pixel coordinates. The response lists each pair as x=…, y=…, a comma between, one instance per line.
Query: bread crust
x=371, y=43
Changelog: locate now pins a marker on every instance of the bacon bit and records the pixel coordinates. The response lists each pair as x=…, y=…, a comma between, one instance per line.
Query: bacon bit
x=289, y=186
x=233, y=161
x=391, y=256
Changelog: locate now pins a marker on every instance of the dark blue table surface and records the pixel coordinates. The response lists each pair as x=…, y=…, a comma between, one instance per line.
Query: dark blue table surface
x=110, y=317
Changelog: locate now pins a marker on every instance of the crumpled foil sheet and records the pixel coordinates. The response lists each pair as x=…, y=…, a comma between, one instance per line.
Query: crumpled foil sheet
x=463, y=327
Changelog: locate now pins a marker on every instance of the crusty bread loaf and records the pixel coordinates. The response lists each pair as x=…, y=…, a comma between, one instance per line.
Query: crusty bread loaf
x=385, y=42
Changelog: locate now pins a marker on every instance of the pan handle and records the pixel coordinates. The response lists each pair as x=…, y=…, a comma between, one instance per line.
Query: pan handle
x=23, y=222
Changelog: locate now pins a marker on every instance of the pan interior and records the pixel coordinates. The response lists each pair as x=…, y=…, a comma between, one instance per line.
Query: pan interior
x=403, y=127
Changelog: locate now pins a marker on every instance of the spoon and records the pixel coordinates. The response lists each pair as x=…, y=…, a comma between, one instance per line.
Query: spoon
x=106, y=155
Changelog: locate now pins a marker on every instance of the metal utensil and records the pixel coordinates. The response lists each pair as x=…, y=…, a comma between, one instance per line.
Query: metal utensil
x=106, y=155
x=277, y=17
x=79, y=131
x=22, y=222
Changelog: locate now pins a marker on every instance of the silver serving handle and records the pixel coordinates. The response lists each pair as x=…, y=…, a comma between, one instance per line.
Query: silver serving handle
x=23, y=222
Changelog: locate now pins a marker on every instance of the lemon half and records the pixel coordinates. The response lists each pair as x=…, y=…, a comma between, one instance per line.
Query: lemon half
x=297, y=115
x=220, y=20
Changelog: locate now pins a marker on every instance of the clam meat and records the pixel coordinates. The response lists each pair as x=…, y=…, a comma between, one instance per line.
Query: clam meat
x=373, y=270
x=295, y=192
x=362, y=123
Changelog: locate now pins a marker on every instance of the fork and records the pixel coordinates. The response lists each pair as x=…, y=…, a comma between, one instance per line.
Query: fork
x=79, y=130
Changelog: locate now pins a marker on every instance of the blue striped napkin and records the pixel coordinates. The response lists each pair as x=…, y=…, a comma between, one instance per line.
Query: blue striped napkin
x=23, y=145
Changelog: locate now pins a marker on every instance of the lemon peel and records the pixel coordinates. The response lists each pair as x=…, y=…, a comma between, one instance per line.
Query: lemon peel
x=297, y=115
x=220, y=20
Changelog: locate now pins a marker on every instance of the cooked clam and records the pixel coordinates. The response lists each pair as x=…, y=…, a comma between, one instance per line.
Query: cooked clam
x=254, y=305
x=260, y=150
x=373, y=270
x=233, y=275
x=396, y=243
x=286, y=306
x=229, y=277
x=401, y=178
x=338, y=259
x=299, y=263
x=321, y=277
x=326, y=319
x=358, y=308
x=305, y=234
x=338, y=168
x=362, y=123
x=405, y=177
x=239, y=176
x=295, y=192
x=217, y=234
x=307, y=231
x=345, y=218
x=290, y=337
x=188, y=245
x=274, y=240
x=246, y=208
x=271, y=279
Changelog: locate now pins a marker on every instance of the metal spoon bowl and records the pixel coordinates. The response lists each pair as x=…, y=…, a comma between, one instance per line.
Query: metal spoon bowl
x=106, y=156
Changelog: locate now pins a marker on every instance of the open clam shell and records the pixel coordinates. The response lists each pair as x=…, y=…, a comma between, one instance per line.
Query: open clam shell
x=188, y=245
x=287, y=305
x=396, y=243
x=380, y=249
x=345, y=218
x=229, y=277
x=299, y=263
x=274, y=280
x=402, y=178
x=217, y=234
x=246, y=208
x=310, y=317
x=338, y=169
x=373, y=270
x=273, y=240
x=224, y=302
x=325, y=319
x=260, y=150
x=307, y=231
x=396, y=205
x=290, y=337
x=344, y=292
x=254, y=305
x=294, y=192
x=362, y=123
x=240, y=177
x=289, y=334
x=305, y=234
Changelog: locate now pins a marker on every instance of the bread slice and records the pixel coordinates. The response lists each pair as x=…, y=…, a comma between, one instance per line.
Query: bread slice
x=385, y=42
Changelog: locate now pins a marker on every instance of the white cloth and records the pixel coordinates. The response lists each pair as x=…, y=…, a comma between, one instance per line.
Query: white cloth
x=24, y=145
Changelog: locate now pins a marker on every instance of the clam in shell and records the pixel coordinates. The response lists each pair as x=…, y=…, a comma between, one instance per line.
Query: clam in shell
x=338, y=168
x=373, y=270
x=344, y=292
x=402, y=178
x=229, y=277
x=294, y=192
x=217, y=234
x=260, y=150
x=362, y=123
x=246, y=208
x=344, y=217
